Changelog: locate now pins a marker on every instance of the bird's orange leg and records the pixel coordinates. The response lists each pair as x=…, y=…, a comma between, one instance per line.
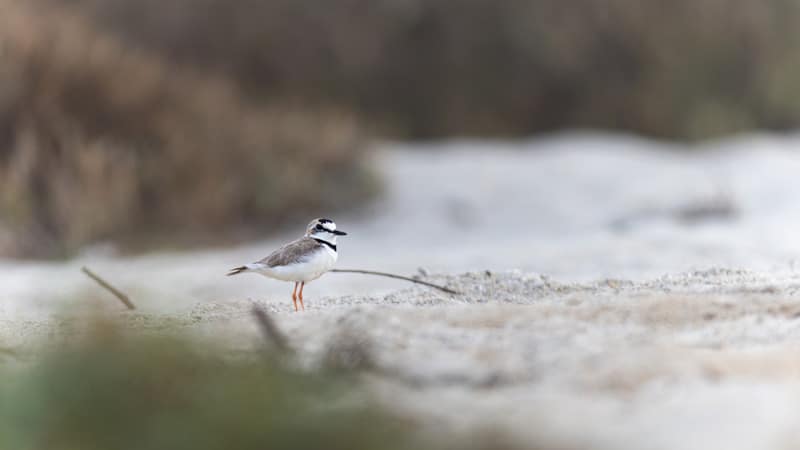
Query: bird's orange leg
x=302, y=284
x=294, y=296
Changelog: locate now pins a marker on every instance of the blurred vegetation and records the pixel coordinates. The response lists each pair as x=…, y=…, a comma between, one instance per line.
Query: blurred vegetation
x=422, y=68
x=99, y=140
x=113, y=392
x=110, y=386
x=121, y=117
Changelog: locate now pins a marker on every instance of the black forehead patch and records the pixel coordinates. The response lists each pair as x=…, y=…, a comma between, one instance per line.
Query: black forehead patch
x=325, y=221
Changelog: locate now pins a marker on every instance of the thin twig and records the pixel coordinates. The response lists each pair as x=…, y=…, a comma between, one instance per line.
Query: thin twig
x=268, y=328
x=117, y=293
x=399, y=277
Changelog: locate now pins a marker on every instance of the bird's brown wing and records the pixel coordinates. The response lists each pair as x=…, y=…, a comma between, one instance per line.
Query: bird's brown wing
x=291, y=253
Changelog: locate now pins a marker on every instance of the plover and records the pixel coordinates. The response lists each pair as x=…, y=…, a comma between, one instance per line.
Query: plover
x=300, y=261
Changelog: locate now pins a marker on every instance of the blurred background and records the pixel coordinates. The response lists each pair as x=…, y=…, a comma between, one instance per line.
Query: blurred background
x=151, y=124
x=613, y=184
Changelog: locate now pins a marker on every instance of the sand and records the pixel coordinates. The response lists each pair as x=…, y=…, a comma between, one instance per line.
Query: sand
x=617, y=292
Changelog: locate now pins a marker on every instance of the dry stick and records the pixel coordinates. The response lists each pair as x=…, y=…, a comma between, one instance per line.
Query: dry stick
x=269, y=329
x=122, y=297
x=399, y=277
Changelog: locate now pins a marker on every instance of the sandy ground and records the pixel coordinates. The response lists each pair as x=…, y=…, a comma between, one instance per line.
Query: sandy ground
x=700, y=360
x=618, y=293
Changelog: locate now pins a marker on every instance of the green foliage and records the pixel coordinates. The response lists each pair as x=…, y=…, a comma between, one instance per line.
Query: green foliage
x=110, y=392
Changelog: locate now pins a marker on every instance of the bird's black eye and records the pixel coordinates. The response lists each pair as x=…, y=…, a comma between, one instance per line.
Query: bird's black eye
x=318, y=227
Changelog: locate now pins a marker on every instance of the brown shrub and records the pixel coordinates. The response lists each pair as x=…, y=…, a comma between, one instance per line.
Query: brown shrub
x=99, y=141
x=674, y=68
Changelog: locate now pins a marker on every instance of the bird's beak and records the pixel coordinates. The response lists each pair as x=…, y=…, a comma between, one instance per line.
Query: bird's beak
x=339, y=233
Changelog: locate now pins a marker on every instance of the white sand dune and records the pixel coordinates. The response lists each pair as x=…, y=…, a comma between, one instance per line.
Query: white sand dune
x=668, y=317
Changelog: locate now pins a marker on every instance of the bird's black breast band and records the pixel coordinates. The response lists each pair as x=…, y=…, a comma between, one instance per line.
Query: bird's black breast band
x=322, y=241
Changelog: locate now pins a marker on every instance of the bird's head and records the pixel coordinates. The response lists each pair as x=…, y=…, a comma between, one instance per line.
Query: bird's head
x=324, y=229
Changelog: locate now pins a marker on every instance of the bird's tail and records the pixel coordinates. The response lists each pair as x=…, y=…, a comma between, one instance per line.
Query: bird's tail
x=238, y=270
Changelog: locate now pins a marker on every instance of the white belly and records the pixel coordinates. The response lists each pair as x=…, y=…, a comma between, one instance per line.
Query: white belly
x=308, y=270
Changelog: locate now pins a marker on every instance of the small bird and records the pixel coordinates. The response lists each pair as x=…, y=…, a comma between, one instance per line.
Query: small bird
x=302, y=260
